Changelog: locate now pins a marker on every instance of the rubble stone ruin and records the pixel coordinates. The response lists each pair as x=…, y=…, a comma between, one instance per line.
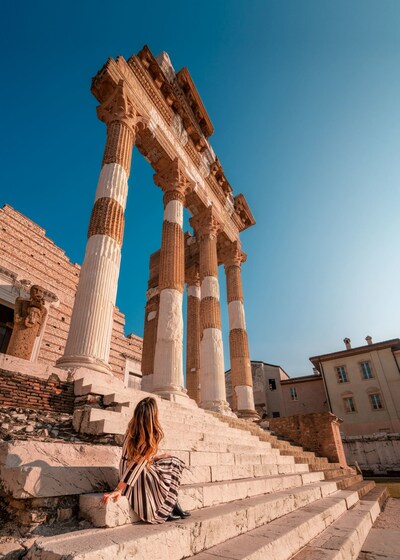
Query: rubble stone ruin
x=144, y=103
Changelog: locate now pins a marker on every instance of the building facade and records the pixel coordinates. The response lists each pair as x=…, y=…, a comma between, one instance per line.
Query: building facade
x=277, y=395
x=363, y=386
x=28, y=257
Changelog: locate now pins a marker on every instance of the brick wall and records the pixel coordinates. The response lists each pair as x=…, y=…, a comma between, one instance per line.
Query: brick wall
x=26, y=250
x=26, y=391
x=317, y=432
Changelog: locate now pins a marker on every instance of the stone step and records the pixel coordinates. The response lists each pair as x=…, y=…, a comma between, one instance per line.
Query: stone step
x=337, y=473
x=46, y=469
x=345, y=537
x=363, y=487
x=283, y=538
x=344, y=482
x=198, y=496
x=206, y=528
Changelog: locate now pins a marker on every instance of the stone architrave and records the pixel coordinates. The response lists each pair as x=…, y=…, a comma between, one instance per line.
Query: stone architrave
x=89, y=337
x=212, y=374
x=242, y=381
x=29, y=319
x=150, y=337
x=193, y=333
x=168, y=358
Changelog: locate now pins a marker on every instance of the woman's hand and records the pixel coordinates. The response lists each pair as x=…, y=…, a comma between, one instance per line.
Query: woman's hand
x=114, y=495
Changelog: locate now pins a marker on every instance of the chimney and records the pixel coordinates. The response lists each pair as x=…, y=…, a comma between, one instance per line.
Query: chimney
x=347, y=342
x=369, y=340
x=315, y=371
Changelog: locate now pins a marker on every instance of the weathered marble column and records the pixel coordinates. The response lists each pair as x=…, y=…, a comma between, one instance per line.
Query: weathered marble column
x=242, y=381
x=168, y=359
x=150, y=337
x=91, y=326
x=212, y=374
x=193, y=333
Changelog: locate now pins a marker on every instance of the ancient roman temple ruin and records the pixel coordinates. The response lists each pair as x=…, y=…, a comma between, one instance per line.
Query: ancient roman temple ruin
x=144, y=103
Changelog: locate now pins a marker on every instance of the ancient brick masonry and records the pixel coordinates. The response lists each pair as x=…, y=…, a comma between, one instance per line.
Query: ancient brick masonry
x=317, y=432
x=90, y=333
x=26, y=391
x=242, y=383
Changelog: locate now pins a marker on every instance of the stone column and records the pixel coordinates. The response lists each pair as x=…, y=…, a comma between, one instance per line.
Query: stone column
x=149, y=338
x=168, y=359
x=193, y=333
x=212, y=374
x=242, y=381
x=89, y=337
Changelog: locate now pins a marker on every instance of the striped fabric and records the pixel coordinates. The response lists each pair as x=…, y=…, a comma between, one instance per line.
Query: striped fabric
x=152, y=488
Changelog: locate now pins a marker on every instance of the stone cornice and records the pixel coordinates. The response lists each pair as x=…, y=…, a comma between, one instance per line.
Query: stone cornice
x=118, y=107
x=242, y=216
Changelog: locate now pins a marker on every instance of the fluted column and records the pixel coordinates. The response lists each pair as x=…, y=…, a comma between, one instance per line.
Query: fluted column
x=150, y=337
x=212, y=374
x=168, y=359
x=89, y=337
x=242, y=381
x=193, y=333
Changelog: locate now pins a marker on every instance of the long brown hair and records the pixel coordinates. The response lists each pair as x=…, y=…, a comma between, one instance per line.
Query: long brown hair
x=144, y=431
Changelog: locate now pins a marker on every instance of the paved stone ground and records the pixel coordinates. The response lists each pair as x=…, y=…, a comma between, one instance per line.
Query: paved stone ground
x=383, y=541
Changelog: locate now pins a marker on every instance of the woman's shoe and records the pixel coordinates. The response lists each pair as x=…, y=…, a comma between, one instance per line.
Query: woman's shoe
x=179, y=511
x=173, y=517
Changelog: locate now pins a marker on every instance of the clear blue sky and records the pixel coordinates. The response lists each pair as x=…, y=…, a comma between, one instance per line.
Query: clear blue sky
x=304, y=97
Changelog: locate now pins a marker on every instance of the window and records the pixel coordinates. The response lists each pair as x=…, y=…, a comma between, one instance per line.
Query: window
x=366, y=370
x=293, y=394
x=349, y=405
x=276, y=414
x=272, y=384
x=341, y=374
x=376, y=402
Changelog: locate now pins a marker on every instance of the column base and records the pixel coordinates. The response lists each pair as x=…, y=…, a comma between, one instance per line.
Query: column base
x=248, y=415
x=222, y=407
x=74, y=362
x=171, y=392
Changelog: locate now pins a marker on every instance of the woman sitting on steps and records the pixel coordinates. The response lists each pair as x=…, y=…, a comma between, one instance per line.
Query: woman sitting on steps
x=150, y=482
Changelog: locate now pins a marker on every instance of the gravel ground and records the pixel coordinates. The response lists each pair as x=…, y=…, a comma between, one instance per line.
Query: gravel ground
x=390, y=516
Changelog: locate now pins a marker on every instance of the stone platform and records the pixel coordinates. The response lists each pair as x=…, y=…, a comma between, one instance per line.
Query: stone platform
x=251, y=494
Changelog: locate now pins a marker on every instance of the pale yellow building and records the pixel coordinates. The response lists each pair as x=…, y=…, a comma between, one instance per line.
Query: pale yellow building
x=363, y=386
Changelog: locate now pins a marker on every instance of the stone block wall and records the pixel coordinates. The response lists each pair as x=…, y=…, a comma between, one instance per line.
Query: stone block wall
x=376, y=454
x=26, y=391
x=31, y=255
x=317, y=432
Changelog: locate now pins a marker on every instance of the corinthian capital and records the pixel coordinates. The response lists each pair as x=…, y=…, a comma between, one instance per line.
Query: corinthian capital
x=206, y=223
x=118, y=107
x=173, y=181
x=232, y=254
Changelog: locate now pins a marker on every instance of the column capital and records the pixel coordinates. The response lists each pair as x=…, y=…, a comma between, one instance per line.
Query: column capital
x=118, y=108
x=173, y=181
x=232, y=255
x=206, y=223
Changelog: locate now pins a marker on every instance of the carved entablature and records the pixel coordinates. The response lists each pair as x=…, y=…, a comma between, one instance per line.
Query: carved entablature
x=242, y=215
x=172, y=124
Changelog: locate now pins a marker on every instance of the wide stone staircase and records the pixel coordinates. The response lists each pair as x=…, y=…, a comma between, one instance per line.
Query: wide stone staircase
x=251, y=495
